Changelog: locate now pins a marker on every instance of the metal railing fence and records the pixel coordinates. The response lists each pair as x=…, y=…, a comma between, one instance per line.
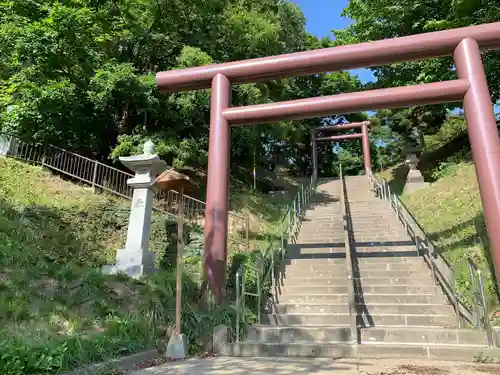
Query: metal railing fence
x=113, y=180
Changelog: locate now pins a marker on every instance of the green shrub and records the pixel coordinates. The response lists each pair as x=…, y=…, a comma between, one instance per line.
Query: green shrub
x=58, y=311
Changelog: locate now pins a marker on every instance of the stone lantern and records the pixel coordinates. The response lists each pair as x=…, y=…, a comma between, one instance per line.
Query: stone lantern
x=135, y=259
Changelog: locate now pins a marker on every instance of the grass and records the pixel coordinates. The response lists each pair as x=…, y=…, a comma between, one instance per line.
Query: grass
x=58, y=311
x=265, y=211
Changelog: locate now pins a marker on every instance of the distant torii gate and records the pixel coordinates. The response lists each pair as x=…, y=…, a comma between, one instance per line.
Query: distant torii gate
x=471, y=87
x=365, y=142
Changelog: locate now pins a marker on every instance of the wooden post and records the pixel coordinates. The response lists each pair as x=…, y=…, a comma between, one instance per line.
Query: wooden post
x=180, y=255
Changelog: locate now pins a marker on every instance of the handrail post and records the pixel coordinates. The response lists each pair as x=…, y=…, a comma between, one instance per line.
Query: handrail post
x=259, y=291
x=299, y=202
x=396, y=206
x=486, y=315
x=238, y=297
x=294, y=214
x=247, y=233
x=455, y=297
x=282, y=242
x=94, y=175
x=273, y=276
x=44, y=156
x=289, y=224
x=474, y=294
x=243, y=308
x=430, y=248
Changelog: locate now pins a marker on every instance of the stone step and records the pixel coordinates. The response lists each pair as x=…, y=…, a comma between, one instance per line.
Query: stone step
x=325, y=210
x=335, y=350
x=366, y=281
x=264, y=333
x=327, y=224
x=291, y=272
x=365, y=298
x=423, y=335
x=325, y=265
x=321, y=231
x=299, y=290
x=249, y=348
x=367, y=226
x=359, y=287
x=369, y=319
x=313, y=218
x=311, y=264
x=460, y=353
x=364, y=320
x=372, y=335
x=371, y=281
x=317, y=247
x=339, y=258
x=316, y=253
x=315, y=240
x=383, y=251
x=323, y=235
x=402, y=298
x=327, y=308
x=372, y=309
x=304, y=320
x=326, y=219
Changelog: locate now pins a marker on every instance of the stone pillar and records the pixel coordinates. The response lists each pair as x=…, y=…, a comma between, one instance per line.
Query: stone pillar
x=135, y=259
x=314, y=157
x=365, y=142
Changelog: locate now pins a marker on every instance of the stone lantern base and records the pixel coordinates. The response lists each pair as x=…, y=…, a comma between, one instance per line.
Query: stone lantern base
x=414, y=179
x=132, y=263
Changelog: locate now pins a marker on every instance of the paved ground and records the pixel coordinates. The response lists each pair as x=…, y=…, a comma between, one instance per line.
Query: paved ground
x=316, y=366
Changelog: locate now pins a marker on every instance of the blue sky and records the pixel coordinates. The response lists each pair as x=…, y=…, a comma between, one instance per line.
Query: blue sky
x=323, y=16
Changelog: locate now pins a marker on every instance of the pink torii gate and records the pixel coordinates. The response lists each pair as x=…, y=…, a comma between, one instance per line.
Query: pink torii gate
x=465, y=44
x=365, y=142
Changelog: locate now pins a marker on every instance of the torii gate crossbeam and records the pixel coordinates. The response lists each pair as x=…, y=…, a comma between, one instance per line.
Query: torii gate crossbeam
x=365, y=142
x=465, y=44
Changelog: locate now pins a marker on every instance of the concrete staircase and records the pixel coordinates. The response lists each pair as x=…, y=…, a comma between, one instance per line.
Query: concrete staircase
x=401, y=312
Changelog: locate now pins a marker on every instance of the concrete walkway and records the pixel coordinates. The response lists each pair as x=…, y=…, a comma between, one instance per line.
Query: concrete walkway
x=316, y=366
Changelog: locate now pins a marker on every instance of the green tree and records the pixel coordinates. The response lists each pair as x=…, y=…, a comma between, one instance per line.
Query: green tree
x=82, y=74
x=380, y=19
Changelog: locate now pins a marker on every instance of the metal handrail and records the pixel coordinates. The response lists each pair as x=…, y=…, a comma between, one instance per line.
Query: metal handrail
x=351, y=287
x=443, y=272
x=267, y=262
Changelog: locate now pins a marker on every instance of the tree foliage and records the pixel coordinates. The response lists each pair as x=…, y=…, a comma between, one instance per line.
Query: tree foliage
x=381, y=19
x=81, y=74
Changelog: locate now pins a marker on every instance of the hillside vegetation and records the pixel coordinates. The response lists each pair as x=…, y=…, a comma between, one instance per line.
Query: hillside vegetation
x=58, y=310
x=450, y=211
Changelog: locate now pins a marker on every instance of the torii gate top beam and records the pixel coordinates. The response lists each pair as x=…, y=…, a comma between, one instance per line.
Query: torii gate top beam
x=340, y=127
x=362, y=55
